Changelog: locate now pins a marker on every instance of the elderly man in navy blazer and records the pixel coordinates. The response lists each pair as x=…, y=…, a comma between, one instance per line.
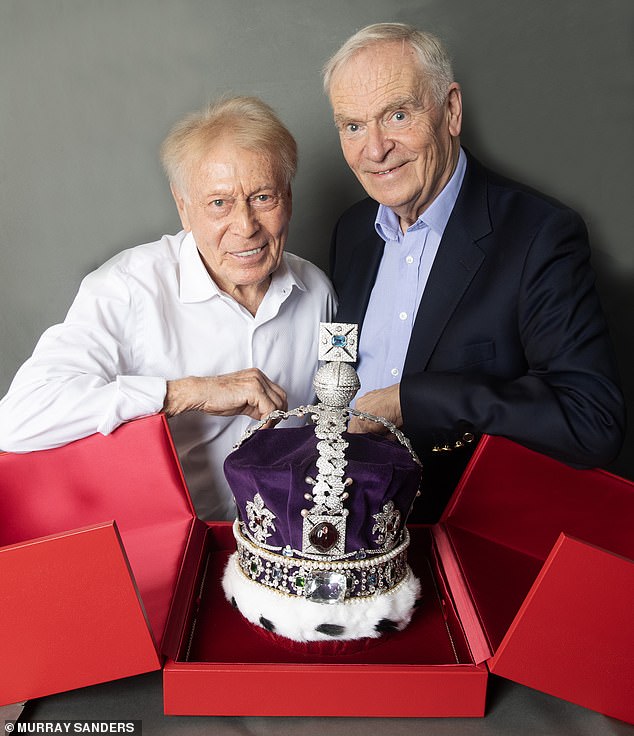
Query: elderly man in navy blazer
x=475, y=295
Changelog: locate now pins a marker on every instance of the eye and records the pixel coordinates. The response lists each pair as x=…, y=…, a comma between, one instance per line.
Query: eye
x=263, y=201
x=220, y=207
x=400, y=116
x=352, y=127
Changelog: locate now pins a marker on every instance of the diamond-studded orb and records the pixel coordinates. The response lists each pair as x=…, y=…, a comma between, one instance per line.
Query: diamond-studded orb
x=336, y=384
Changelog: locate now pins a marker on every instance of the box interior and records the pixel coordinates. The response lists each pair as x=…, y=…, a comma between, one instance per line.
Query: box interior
x=131, y=476
x=215, y=632
x=507, y=513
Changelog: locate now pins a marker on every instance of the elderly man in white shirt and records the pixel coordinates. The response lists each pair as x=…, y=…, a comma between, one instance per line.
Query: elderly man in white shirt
x=216, y=326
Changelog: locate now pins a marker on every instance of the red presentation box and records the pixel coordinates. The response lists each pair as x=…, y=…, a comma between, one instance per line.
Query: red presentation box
x=92, y=539
x=540, y=559
x=219, y=664
x=530, y=571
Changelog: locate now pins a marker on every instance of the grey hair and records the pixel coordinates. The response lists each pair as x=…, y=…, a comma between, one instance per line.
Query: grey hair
x=247, y=121
x=434, y=58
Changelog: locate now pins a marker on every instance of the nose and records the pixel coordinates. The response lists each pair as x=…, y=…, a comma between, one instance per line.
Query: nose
x=243, y=221
x=378, y=143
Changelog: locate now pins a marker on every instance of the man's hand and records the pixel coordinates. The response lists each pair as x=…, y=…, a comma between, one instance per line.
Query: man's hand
x=247, y=392
x=383, y=402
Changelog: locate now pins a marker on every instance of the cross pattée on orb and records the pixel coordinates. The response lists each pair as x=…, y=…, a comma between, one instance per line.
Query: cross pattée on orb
x=338, y=341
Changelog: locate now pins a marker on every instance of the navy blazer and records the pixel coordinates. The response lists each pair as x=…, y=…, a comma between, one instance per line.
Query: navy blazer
x=509, y=338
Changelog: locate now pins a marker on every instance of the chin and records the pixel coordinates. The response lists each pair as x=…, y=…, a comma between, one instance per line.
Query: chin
x=254, y=276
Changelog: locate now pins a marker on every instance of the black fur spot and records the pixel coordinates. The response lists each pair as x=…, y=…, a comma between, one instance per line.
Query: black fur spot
x=233, y=602
x=266, y=624
x=417, y=602
x=386, y=625
x=330, y=629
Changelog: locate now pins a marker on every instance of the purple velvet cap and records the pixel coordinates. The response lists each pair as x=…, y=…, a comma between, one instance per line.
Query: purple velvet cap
x=276, y=462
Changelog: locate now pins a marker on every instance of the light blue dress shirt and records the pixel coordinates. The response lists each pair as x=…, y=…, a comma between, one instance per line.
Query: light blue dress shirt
x=403, y=272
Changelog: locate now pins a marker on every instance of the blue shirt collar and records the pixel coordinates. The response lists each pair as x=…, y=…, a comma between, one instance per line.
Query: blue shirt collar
x=435, y=216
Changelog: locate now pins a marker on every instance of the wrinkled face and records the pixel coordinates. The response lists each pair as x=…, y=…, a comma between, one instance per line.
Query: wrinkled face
x=238, y=212
x=400, y=143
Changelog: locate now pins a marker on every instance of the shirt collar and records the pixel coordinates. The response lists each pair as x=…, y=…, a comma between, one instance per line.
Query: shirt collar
x=285, y=278
x=435, y=216
x=196, y=285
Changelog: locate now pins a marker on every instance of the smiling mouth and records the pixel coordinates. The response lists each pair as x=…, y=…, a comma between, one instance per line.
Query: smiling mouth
x=386, y=171
x=247, y=253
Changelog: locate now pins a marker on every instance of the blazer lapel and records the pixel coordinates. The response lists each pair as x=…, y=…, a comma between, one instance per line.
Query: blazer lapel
x=360, y=277
x=458, y=259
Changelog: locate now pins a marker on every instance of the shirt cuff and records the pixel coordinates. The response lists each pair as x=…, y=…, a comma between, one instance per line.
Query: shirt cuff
x=135, y=397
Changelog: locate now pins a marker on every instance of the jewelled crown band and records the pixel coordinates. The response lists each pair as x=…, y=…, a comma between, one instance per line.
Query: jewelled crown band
x=322, y=581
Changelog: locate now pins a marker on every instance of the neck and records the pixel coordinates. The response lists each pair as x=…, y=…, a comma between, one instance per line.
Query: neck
x=249, y=296
x=408, y=218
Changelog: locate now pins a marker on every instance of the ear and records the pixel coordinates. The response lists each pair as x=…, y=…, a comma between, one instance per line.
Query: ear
x=454, y=109
x=181, y=206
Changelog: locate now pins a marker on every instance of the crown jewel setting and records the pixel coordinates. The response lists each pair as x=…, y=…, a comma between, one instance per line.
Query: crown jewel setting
x=332, y=565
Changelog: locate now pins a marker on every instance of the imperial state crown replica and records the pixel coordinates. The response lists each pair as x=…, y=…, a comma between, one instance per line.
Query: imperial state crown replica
x=321, y=534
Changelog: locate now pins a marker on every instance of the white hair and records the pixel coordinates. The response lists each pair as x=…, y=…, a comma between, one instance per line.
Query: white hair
x=435, y=63
x=248, y=121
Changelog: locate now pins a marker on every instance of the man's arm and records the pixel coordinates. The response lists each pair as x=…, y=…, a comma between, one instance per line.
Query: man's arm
x=79, y=379
x=82, y=379
x=565, y=403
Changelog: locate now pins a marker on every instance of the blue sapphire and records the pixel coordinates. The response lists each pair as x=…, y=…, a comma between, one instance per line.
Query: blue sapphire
x=339, y=341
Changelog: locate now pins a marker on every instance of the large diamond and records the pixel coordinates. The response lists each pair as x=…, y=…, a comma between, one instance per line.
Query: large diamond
x=326, y=587
x=324, y=536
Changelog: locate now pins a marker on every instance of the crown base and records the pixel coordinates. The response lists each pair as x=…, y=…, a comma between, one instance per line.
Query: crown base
x=302, y=620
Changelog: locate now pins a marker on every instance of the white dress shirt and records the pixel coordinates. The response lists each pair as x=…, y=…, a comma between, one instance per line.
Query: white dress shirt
x=152, y=314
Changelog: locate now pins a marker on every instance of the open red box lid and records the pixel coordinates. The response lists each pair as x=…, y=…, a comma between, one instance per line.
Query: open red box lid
x=92, y=538
x=540, y=559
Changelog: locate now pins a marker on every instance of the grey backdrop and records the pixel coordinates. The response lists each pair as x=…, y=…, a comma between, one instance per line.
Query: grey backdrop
x=89, y=88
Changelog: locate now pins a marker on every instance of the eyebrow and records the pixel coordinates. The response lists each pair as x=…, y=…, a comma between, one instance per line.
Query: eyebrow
x=228, y=193
x=405, y=101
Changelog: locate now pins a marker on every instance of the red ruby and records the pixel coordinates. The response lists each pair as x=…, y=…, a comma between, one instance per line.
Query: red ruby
x=323, y=536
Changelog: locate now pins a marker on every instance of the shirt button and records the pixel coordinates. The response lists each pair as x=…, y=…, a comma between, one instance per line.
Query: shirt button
x=409, y=259
x=403, y=315
x=394, y=371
